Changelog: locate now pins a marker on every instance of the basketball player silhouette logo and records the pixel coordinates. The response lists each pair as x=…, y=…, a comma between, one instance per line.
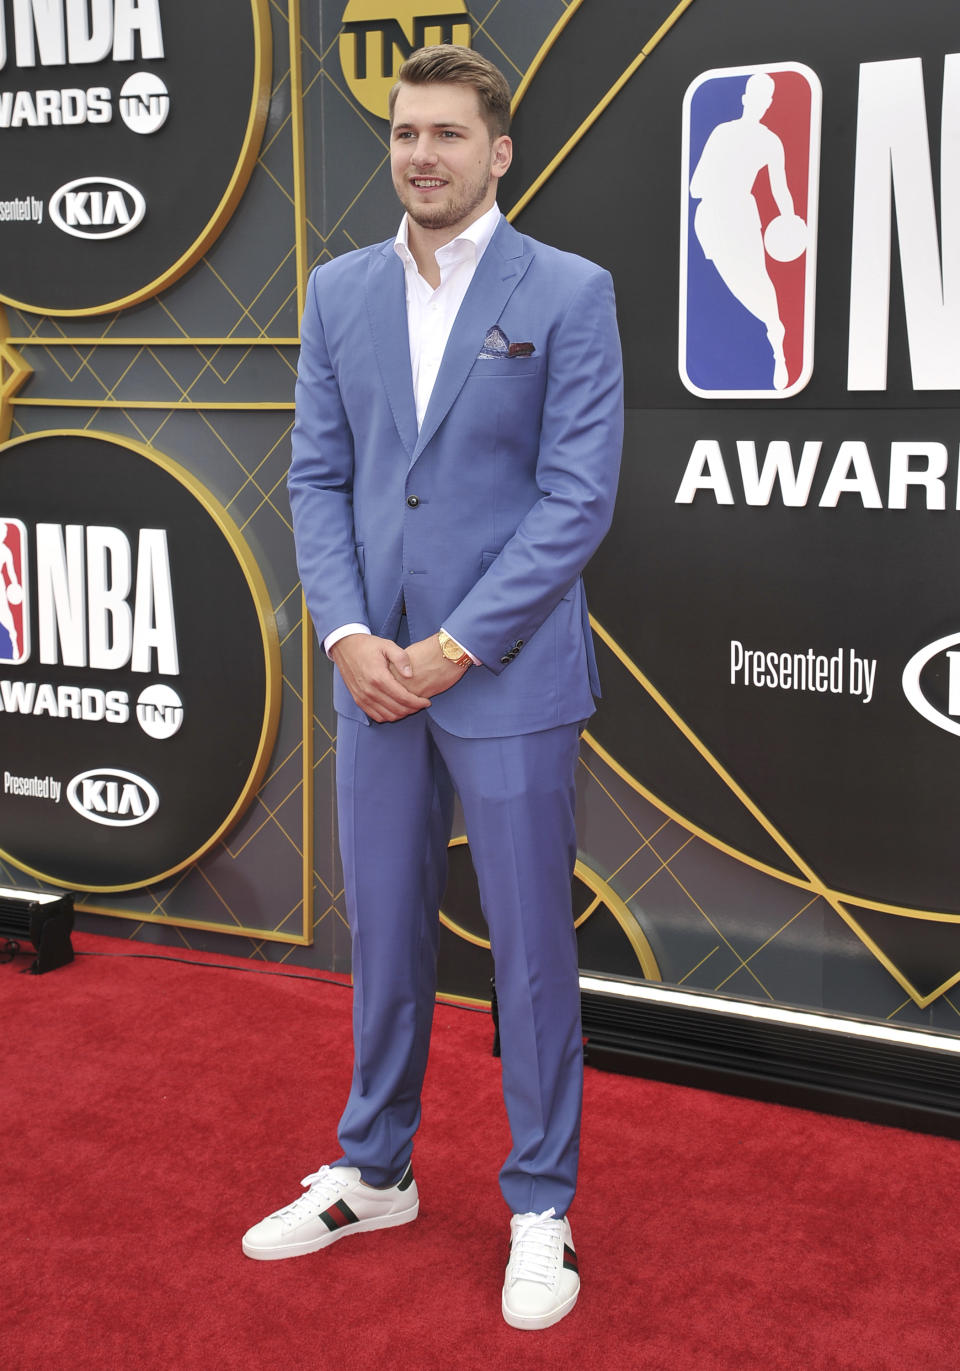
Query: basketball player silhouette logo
x=748, y=231
x=14, y=623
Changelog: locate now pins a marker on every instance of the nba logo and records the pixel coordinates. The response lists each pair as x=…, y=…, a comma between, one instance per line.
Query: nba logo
x=14, y=605
x=748, y=231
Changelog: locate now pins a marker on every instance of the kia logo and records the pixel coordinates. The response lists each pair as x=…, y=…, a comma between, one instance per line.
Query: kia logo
x=109, y=796
x=950, y=721
x=97, y=207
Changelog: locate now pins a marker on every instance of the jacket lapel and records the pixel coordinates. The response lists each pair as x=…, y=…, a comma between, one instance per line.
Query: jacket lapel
x=500, y=269
x=387, y=311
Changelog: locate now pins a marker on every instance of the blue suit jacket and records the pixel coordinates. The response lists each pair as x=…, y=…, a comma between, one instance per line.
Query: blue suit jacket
x=482, y=521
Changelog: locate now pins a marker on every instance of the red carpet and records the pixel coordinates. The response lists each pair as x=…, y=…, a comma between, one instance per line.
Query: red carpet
x=152, y=1111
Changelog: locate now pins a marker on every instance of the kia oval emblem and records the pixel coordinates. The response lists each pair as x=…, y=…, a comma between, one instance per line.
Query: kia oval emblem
x=97, y=207
x=109, y=796
x=911, y=683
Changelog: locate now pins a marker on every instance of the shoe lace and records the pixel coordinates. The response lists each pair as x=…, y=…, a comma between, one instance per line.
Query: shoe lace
x=322, y=1187
x=537, y=1248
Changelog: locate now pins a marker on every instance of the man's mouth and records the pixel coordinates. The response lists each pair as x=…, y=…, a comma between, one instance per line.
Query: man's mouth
x=427, y=182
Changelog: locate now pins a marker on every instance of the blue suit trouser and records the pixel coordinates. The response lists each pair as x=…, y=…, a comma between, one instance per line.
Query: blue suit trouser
x=395, y=789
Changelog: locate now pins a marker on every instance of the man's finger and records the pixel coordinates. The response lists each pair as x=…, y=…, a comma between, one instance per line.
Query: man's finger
x=398, y=659
x=383, y=689
x=392, y=691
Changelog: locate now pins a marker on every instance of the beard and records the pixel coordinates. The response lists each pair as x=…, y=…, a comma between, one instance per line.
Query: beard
x=460, y=205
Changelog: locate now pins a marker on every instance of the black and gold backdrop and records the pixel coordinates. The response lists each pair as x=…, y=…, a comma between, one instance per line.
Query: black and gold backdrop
x=765, y=793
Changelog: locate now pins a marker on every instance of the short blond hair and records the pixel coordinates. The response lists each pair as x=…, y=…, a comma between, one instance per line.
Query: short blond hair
x=459, y=66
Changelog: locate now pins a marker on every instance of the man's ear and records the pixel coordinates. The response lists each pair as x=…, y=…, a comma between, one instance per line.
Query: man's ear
x=502, y=155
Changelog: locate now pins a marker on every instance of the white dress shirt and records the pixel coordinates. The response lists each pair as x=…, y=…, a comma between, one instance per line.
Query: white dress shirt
x=430, y=317
x=431, y=313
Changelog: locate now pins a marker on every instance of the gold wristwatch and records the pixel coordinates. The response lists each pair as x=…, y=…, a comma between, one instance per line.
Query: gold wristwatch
x=452, y=650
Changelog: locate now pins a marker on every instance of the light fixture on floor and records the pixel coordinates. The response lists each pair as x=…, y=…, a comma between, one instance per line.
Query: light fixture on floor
x=39, y=918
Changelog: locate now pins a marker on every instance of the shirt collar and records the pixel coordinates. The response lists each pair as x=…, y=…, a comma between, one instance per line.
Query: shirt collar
x=477, y=234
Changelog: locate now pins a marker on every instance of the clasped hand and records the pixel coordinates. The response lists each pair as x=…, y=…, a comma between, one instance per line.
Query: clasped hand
x=389, y=682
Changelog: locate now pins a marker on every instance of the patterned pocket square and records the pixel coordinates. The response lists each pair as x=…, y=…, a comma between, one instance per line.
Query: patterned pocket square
x=496, y=345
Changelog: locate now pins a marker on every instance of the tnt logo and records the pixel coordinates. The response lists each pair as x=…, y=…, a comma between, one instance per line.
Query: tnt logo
x=159, y=711
x=144, y=102
x=14, y=604
x=750, y=176
x=376, y=36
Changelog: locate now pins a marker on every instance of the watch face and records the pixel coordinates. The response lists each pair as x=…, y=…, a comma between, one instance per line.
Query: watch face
x=452, y=650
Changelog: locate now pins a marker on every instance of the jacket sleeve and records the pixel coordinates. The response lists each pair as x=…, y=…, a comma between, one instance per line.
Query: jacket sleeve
x=578, y=467
x=320, y=483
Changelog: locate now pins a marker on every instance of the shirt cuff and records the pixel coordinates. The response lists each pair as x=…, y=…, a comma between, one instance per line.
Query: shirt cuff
x=333, y=638
x=476, y=660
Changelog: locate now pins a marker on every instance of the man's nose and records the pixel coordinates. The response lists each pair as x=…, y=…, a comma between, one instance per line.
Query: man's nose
x=424, y=152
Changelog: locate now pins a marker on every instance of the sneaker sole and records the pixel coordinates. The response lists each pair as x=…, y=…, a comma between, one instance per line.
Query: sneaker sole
x=301, y=1249
x=532, y=1321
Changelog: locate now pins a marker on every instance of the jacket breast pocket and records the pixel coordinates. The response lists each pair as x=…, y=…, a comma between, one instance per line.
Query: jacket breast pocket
x=505, y=368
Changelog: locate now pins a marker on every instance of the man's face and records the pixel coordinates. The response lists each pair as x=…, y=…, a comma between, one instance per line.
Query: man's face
x=445, y=164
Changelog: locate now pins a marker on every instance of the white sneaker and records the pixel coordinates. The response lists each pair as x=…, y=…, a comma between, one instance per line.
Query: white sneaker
x=541, y=1284
x=336, y=1204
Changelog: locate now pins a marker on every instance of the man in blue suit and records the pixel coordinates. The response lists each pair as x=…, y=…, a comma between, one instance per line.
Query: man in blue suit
x=455, y=458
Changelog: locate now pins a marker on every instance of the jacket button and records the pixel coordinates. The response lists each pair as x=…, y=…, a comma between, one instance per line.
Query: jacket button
x=519, y=644
x=413, y=501
x=505, y=661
